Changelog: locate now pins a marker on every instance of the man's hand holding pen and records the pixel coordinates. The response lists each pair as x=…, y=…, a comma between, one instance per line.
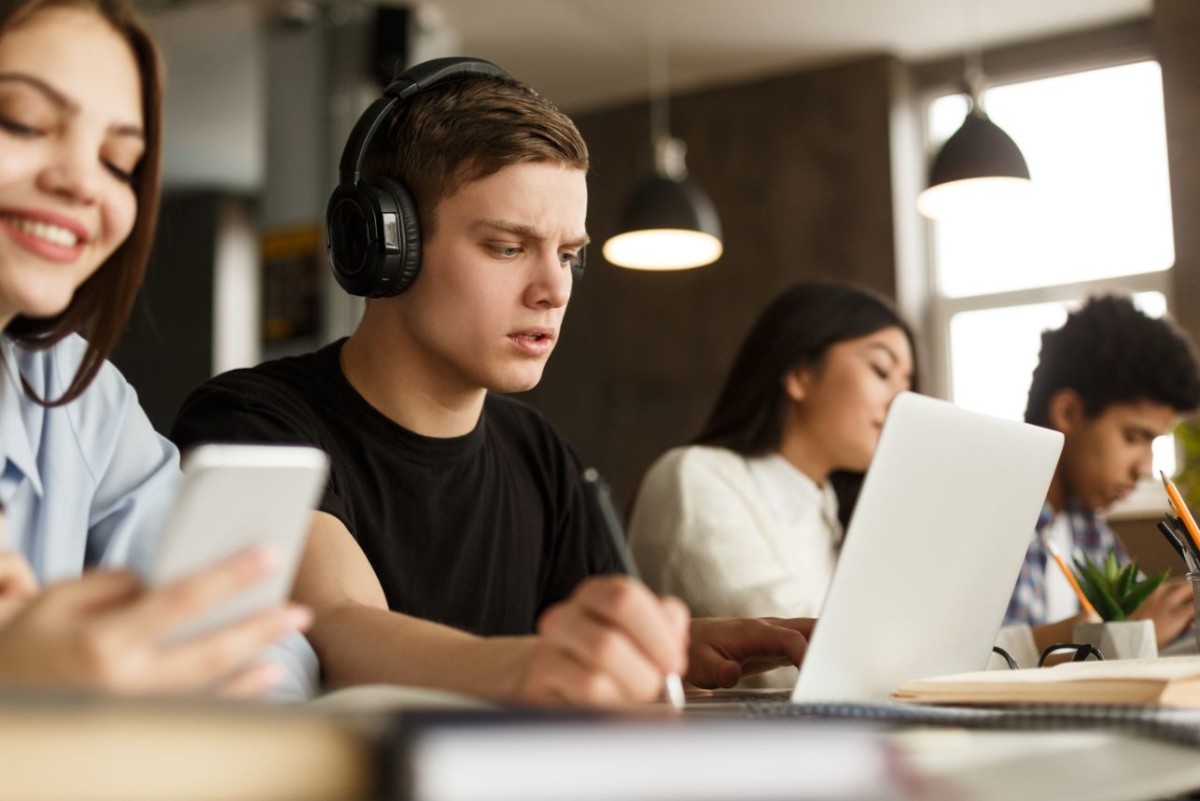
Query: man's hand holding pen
x=612, y=643
x=615, y=643
x=613, y=639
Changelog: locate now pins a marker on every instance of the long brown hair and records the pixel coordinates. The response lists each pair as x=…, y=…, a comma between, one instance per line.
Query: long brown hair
x=101, y=305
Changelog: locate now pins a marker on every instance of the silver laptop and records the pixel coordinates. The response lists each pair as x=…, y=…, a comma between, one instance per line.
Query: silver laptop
x=931, y=556
x=932, y=553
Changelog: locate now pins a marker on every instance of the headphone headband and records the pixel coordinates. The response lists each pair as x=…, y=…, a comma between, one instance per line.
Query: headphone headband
x=414, y=80
x=430, y=73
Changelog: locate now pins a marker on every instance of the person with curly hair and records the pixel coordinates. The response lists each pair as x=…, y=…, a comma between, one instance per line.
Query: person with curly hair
x=1111, y=379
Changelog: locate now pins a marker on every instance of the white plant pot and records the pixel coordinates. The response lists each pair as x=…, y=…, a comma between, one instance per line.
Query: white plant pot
x=1120, y=639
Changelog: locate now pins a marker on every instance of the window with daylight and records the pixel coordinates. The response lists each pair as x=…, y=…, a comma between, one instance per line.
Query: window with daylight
x=1098, y=220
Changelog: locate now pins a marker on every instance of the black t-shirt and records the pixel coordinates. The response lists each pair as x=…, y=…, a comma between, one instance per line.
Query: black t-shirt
x=480, y=532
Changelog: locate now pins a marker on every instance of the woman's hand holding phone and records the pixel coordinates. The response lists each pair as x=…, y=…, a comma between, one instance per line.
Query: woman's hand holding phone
x=109, y=632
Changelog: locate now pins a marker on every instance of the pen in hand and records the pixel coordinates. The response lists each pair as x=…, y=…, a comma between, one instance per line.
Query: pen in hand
x=591, y=478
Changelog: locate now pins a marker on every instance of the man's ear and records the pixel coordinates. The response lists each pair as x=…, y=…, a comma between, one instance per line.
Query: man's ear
x=1065, y=410
x=796, y=382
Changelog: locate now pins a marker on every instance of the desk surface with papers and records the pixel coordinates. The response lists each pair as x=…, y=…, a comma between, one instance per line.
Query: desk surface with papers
x=87, y=749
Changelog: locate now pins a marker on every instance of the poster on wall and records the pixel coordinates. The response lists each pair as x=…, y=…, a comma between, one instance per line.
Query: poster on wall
x=292, y=262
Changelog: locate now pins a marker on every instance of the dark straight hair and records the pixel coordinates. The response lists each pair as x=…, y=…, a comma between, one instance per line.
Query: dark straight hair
x=796, y=329
x=101, y=305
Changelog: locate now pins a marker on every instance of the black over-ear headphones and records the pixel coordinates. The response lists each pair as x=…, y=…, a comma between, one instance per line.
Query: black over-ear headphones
x=371, y=221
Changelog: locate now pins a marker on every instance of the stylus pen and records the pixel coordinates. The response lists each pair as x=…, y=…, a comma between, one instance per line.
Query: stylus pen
x=1190, y=554
x=673, y=688
x=1174, y=542
x=1181, y=509
x=1169, y=533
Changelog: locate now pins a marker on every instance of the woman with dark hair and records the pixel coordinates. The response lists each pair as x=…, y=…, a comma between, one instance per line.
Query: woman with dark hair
x=84, y=479
x=747, y=520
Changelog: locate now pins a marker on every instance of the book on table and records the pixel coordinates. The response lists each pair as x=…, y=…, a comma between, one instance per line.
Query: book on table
x=1165, y=682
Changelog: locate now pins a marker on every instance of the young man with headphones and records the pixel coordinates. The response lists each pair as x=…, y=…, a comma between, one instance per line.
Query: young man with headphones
x=455, y=525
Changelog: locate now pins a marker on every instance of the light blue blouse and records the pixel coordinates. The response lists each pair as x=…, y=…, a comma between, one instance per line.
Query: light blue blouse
x=84, y=484
x=90, y=483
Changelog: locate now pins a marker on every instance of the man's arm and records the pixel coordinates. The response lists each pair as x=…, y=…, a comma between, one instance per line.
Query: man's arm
x=610, y=643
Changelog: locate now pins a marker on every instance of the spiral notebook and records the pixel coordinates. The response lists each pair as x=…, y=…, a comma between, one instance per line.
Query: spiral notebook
x=1181, y=726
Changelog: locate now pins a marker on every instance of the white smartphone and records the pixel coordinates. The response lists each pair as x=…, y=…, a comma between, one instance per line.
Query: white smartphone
x=235, y=497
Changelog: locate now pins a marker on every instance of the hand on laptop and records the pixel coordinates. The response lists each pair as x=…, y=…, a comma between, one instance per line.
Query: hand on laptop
x=725, y=649
x=104, y=630
x=610, y=644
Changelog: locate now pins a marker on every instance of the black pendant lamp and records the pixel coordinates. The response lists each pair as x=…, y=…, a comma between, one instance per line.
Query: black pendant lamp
x=669, y=222
x=980, y=165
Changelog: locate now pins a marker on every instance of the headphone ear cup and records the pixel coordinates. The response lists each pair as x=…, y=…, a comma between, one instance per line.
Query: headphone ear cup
x=373, y=236
x=409, y=261
x=372, y=229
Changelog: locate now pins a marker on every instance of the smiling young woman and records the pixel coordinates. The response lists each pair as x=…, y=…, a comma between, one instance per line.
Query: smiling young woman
x=39, y=106
x=85, y=480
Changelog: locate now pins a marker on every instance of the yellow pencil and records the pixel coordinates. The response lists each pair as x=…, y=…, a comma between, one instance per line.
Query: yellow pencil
x=1084, y=603
x=1181, y=510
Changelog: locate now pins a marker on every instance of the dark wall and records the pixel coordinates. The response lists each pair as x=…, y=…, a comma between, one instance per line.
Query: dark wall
x=167, y=347
x=798, y=167
x=1176, y=34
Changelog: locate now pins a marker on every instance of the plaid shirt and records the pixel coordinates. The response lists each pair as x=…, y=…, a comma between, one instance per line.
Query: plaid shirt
x=1091, y=536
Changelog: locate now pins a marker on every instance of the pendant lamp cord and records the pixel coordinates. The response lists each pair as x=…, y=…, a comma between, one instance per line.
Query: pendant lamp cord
x=669, y=153
x=660, y=111
x=973, y=77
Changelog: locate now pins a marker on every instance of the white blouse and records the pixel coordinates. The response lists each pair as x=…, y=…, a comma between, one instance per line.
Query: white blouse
x=732, y=535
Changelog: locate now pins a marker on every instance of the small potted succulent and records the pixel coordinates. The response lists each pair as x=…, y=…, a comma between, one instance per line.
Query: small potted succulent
x=1116, y=592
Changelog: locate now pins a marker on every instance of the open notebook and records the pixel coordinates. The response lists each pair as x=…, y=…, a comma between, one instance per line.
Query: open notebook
x=1167, y=681
x=932, y=553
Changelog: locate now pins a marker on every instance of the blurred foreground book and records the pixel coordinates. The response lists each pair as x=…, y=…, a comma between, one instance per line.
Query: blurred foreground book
x=86, y=748
x=539, y=756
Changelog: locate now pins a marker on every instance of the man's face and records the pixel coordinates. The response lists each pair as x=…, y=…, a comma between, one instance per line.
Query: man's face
x=1104, y=456
x=487, y=308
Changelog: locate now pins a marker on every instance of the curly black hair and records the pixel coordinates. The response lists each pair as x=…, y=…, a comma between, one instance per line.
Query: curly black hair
x=1110, y=352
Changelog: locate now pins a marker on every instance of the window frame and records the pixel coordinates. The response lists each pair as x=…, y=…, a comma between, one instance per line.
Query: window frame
x=1111, y=46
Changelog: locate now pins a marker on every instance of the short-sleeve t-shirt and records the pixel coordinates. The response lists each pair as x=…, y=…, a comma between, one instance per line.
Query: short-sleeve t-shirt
x=481, y=532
